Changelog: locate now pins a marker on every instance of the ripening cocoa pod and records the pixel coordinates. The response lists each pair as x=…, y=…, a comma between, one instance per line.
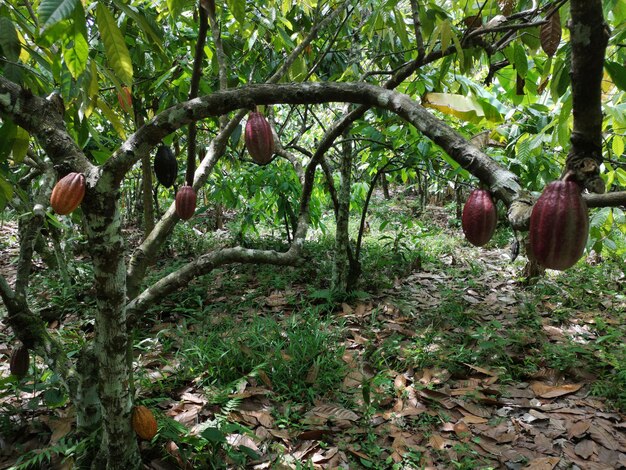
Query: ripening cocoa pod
x=259, y=138
x=143, y=422
x=165, y=166
x=185, y=202
x=68, y=193
x=559, y=226
x=479, y=217
x=20, y=359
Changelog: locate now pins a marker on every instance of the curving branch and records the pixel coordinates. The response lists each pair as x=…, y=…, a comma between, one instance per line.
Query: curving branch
x=41, y=117
x=143, y=255
x=205, y=264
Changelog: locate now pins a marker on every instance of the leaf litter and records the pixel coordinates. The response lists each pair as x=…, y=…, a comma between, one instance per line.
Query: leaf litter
x=433, y=415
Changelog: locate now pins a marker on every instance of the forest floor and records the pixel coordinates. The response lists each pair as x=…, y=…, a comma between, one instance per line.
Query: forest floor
x=445, y=358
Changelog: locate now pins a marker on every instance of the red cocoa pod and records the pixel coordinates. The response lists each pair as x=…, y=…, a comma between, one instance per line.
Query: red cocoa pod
x=143, y=422
x=68, y=193
x=259, y=138
x=185, y=202
x=20, y=360
x=479, y=217
x=559, y=226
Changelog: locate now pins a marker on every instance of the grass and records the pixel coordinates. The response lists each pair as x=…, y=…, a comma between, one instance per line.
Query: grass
x=222, y=330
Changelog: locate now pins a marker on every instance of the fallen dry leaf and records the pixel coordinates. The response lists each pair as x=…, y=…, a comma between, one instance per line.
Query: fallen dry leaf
x=604, y=438
x=436, y=442
x=543, y=390
x=333, y=411
x=585, y=448
x=578, y=429
x=543, y=463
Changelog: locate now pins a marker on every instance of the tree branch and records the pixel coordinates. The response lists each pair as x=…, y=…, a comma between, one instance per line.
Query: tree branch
x=143, y=255
x=205, y=264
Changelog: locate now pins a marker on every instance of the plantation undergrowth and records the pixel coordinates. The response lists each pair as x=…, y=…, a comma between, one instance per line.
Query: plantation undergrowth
x=445, y=357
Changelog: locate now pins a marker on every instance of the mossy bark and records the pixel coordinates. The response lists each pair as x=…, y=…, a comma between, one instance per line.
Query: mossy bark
x=119, y=448
x=342, y=239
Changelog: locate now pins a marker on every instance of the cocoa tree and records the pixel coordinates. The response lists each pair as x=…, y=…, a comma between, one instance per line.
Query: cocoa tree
x=100, y=382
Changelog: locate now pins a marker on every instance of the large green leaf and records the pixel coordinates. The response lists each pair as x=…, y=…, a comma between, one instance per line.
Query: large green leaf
x=143, y=22
x=114, y=45
x=6, y=192
x=20, y=144
x=7, y=136
x=617, y=73
x=50, y=12
x=463, y=107
x=9, y=42
x=76, y=50
x=237, y=9
x=112, y=118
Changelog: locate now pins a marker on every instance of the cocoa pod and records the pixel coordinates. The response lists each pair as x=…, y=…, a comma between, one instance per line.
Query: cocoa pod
x=479, y=217
x=185, y=202
x=165, y=166
x=559, y=226
x=143, y=422
x=259, y=138
x=20, y=360
x=68, y=193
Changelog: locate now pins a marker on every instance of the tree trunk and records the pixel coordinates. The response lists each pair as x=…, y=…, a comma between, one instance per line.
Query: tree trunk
x=385, y=185
x=589, y=38
x=148, y=210
x=119, y=448
x=342, y=240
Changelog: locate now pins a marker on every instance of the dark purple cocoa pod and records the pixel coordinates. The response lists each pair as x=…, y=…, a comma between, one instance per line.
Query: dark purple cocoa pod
x=559, y=226
x=165, y=166
x=20, y=359
x=185, y=202
x=479, y=217
x=259, y=138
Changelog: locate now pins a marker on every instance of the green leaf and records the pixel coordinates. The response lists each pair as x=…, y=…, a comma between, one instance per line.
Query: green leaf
x=521, y=62
x=617, y=73
x=617, y=145
x=20, y=144
x=238, y=9
x=213, y=435
x=112, y=118
x=76, y=50
x=114, y=45
x=50, y=12
x=175, y=7
x=9, y=42
x=142, y=21
x=6, y=192
x=8, y=132
x=446, y=35
x=463, y=107
x=249, y=452
x=235, y=136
